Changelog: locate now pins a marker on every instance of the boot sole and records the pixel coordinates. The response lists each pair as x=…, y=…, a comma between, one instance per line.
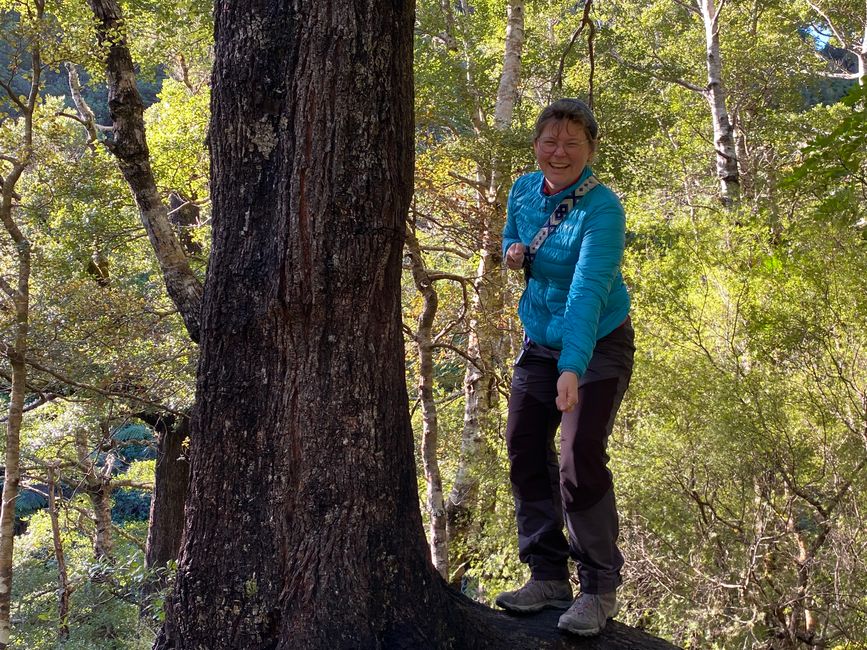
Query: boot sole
x=590, y=631
x=583, y=632
x=530, y=609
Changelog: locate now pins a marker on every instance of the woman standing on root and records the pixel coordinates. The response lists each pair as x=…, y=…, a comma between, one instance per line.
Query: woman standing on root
x=573, y=370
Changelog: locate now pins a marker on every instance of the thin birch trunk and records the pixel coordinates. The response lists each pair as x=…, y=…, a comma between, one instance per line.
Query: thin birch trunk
x=129, y=146
x=97, y=484
x=63, y=588
x=437, y=538
x=861, y=53
x=485, y=339
x=12, y=475
x=20, y=297
x=714, y=93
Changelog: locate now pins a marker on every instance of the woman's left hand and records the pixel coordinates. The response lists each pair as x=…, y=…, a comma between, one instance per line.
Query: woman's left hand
x=567, y=391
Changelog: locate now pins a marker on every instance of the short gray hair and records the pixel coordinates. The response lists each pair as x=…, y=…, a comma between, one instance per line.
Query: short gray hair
x=573, y=110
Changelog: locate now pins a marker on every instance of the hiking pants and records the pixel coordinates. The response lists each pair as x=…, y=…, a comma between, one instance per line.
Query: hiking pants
x=579, y=488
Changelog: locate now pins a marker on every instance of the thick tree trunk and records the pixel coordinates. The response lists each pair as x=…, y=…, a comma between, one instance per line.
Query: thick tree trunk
x=303, y=527
x=129, y=145
x=171, y=476
x=723, y=133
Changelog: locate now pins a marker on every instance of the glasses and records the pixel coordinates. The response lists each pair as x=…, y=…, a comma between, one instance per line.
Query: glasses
x=549, y=145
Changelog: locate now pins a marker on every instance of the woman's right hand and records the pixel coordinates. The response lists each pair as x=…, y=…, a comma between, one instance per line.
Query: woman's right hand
x=515, y=256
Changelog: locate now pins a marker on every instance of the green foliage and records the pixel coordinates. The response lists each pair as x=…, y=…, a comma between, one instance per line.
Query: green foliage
x=130, y=505
x=103, y=610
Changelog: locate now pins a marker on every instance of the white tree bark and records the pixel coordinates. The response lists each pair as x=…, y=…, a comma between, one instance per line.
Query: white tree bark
x=724, y=141
x=437, y=537
x=507, y=94
x=129, y=146
x=485, y=340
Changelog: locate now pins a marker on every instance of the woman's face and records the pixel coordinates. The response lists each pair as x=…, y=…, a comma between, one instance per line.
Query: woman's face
x=562, y=151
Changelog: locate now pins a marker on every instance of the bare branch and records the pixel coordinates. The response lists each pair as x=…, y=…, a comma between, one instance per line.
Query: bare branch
x=657, y=73
x=6, y=350
x=480, y=187
x=457, y=351
x=446, y=249
x=830, y=24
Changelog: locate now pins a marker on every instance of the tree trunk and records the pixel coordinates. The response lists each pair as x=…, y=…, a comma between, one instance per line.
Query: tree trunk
x=303, y=528
x=439, y=547
x=129, y=146
x=507, y=93
x=723, y=134
x=12, y=473
x=63, y=588
x=166, y=520
x=97, y=484
x=17, y=352
x=485, y=342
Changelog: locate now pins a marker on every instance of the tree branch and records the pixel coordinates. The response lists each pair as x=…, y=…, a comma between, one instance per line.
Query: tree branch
x=830, y=24
x=6, y=350
x=655, y=72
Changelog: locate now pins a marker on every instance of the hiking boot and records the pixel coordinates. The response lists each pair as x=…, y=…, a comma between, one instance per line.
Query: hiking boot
x=589, y=613
x=536, y=595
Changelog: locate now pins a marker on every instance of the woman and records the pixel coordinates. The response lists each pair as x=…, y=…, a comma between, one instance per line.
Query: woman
x=573, y=370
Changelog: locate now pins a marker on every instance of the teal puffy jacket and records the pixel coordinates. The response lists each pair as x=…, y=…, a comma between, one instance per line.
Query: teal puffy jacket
x=576, y=293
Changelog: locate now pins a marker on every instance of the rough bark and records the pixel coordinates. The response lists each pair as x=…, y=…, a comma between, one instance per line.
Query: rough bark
x=129, y=146
x=171, y=476
x=17, y=352
x=439, y=548
x=714, y=93
x=63, y=587
x=303, y=528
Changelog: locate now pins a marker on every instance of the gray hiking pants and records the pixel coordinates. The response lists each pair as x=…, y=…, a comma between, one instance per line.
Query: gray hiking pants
x=579, y=487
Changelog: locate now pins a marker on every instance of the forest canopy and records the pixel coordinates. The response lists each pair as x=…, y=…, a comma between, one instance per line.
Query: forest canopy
x=735, y=135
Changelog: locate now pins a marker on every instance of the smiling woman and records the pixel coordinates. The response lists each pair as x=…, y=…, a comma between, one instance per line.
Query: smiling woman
x=575, y=366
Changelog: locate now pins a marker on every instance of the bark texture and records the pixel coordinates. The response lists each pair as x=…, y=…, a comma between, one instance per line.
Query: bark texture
x=129, y=146
x=723, y=133
x=303, y=528
x=171, y=476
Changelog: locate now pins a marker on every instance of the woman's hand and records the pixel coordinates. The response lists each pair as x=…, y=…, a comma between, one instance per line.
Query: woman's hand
x=567, y=391
x=515, y=256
